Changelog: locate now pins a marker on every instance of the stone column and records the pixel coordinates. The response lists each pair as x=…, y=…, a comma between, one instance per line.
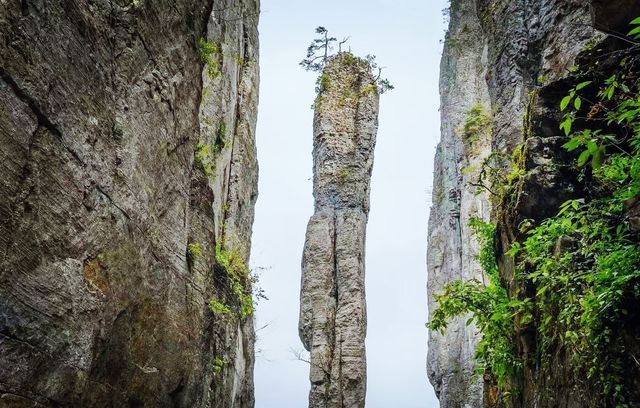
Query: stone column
x=332, y=310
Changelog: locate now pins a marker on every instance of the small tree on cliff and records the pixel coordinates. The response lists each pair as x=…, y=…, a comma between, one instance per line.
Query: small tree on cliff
x=319, y=50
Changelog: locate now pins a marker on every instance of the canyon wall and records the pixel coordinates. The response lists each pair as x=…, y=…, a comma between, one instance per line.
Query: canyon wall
x=332, y=308
x=128, y=180
x=504, y=71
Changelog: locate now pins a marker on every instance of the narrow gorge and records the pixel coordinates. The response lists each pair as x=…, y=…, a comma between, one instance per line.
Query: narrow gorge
x=129, y=141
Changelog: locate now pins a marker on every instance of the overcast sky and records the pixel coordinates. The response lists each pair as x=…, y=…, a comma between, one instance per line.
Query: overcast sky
x=405, y=35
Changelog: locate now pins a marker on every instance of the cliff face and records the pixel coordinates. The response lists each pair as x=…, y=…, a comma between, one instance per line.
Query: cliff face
x=496, y=53
x=127, y=155
x=332, y=313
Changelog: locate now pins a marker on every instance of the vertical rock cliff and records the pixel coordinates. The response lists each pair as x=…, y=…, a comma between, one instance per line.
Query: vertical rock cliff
x=452, y=248
x=506, y=67
x=128, y=179
x=332, y=312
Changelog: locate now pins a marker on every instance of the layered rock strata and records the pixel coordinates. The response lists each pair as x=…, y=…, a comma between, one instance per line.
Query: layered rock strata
x=126, y=156
x=333, y=314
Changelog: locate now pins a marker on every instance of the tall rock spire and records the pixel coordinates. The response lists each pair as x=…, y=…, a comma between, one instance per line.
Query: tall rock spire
x=332, y=311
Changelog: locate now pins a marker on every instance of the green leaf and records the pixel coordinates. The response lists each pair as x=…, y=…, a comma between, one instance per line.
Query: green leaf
x=598, y=158
x=565, y=102
x=577, y=103
x=573, y=144
x=634, y=32
x=582, y=85
x=584, y=156
x=566, y=125
x=636, y=21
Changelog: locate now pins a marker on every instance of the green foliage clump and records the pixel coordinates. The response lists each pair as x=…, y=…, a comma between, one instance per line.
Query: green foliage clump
x=218, y=308
x=491, y=309
x=217, y=364
x=321, y=49
x=585, y=261
x=322, y=83
x=194, y=250
x=239, y=279
x=476, y=123
x=206, y=154
x=211, y=55
x=205, y=159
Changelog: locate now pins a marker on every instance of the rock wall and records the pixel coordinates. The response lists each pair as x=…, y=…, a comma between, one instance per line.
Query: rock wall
x=332, y=313
x=496, y=52
x=126, y=156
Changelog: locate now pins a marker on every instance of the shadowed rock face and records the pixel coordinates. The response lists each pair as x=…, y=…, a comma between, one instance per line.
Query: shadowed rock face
x=102, y=105
x=332, y=313
x=495, y=53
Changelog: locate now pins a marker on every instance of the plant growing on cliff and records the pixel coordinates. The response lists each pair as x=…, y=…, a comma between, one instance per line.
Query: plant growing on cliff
x=218, y=364
x=491, y=310
x=585, y=261
x=476, y=123
x=206, y=154
x=211, y=56
x=321, y=49
x=239, y=279
x=218, y=308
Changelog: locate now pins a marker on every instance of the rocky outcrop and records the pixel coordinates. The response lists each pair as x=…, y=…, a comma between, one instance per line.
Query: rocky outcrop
x=332, y=314
x=452, y=249
x=496, y=53
x=126, y=157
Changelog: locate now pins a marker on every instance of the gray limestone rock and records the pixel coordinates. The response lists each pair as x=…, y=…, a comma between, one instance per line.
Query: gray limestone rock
x=495, y=54
x=332, y=311
x=102, y=106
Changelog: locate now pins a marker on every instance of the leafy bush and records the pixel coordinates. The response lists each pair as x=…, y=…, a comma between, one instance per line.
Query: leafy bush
x=491, y=310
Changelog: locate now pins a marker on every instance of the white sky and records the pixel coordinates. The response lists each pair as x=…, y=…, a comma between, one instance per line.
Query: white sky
x=405, y=35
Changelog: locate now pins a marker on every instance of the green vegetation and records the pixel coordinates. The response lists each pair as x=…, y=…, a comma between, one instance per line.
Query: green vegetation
x=239, y=279
x=321, y=49
x=343, y=175
x=491, y=310
x=194, y=250
x=206, y=154
x=581, y=266
x=476, y=123
x=205, y=159
x=211, y=55
x=585, y=261
x=217, y=364
x=218, y=308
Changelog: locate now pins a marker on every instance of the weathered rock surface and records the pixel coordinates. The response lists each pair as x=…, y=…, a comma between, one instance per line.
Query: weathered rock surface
x=452, y=247
x=495, y=53
x=102, y=104
x=332, y=313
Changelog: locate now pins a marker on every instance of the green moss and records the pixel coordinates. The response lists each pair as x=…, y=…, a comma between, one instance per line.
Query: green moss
x=204, y=159
x=195, y=249
x=205, y=155
x=343, y=175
